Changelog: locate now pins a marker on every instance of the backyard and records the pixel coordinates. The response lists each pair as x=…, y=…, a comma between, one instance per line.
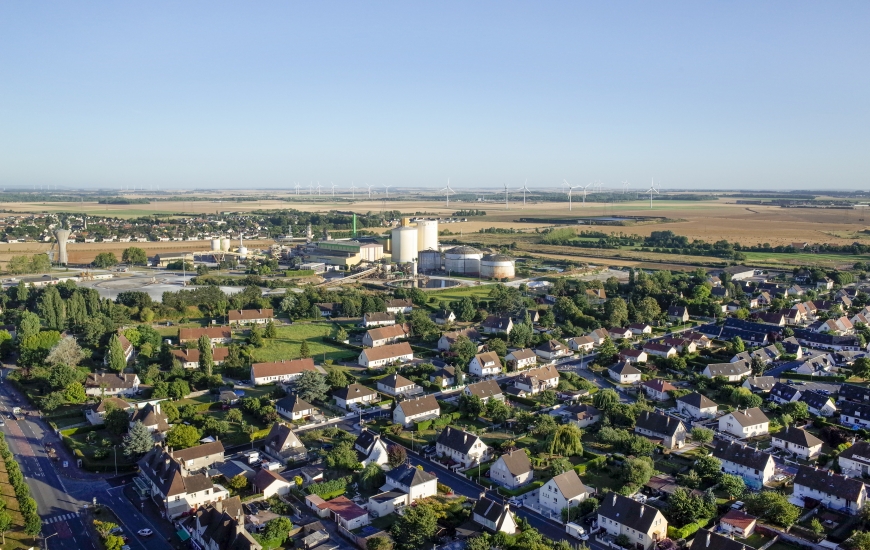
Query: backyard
x=289, y=341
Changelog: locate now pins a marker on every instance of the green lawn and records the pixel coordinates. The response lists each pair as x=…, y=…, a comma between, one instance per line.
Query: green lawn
x=290, y=338
x=803, y=258
x=452, y=294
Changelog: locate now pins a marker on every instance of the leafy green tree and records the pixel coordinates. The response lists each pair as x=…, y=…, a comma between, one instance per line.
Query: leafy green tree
x=75, y=393
x=117, y=421
x=138, y=440
x=396, y=456
x=521, y=335
x=116, y=359
x=234, y=416
x=256, y=337
x=565, y=440
x=605, y=399
x=28, y=325
x=238, y=482
x=271, y=331
x=616, y=312
x=277, y=530
x=547, y=398
x=860, y=540
x=648, y=310
x=342, y=456
x=497, y=410
x=607, y=352
x=471, y=406
x=737, y=345
x=337, y=377
x=497, y=345
x=685, y=507
x=637, y=472
x=52, y=401
x=464, y=349
x=415, y=528
x=702, y=435
x=797, y=410
x=304, y=350
x=62, y=376
x=178, y=389
x=709, y=467
x=312, y=386
x=52, y=309
x=465, y=310
x=182, y=436
x=206, y=357
x=105, y=259
x=5, y=524
x=134, y=256
x=382, y=543
x=21, y=292
x=772, y=506
x=861, y=368
x=372, y=476
x=169, y=409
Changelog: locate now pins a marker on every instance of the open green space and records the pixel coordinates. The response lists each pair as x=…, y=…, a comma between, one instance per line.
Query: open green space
x=452, y=294
x=804, y=258
x=289, y=341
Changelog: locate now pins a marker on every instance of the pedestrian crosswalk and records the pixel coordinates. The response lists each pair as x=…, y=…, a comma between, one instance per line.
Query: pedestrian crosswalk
x=64, y=517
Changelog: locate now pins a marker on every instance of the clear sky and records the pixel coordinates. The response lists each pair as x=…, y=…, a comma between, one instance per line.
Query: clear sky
x=751, y=95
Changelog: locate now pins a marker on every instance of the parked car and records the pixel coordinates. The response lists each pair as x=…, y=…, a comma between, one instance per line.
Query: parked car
x=738, y=505
x=145, y=532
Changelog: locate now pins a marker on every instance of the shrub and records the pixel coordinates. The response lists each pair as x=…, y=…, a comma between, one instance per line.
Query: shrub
x=425, y=425
x=686, y=530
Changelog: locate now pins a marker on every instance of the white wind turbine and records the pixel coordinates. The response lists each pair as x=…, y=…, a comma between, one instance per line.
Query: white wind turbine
x=624, y=185
x=387, y=190
x=310, y=188
x=297, y=188
x=525, y=190
x=652, y=189
x=570, y=190
x=353, y=190
x=447, y=190
x=506, y=206
x=333, y=191
x=318, y=188
x=370, y=189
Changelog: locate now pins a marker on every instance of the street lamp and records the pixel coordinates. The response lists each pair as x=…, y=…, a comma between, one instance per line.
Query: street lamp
x=45, y=540
x=115, y=447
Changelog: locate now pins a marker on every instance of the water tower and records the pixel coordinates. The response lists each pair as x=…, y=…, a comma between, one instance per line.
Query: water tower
x=62, y=236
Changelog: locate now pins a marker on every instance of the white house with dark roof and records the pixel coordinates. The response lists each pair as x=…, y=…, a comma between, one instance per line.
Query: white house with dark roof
x=551, y=350
x=708, y=540
x=494, y=516
x=109, y=384
x=678, y=314
x=657, y=390
x=495, y=324
x=659, y=350
x=447, y=375
x=818, y=403
x=797, y=441
x=283, y=445
x=354, y=395
x=485, y=364
x=835, y=491
x=419, y=409
x=463, y=447
x=854, y=414
x=294, y=407
x=579, y=415
x=520, y=359
x=697, y=406
x=485, y=390
x=176, y=489
x=624, y=373
x=732, y=372
x=670, y=431
x=631, y=355
x=371, y=448
x=378, y=319
x=396, y=384
x=512, y=470
x=855, y=461
x=562, y=491
x=746, y=423
x=756, y=467
x=152, y=418
x=643, y=525
x=640, y=329
x=96, y=413
x=784, y=393
x=759, y=384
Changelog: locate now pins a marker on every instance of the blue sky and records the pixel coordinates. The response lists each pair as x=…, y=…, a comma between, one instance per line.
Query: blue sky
x=199, y=95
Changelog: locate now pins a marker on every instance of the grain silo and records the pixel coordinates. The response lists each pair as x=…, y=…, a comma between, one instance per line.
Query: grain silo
x=463, y=260
x=497, y=266
x=427, y=235
x=404, y=244
x=225, y=244
x=215, y=245
x=430, y=260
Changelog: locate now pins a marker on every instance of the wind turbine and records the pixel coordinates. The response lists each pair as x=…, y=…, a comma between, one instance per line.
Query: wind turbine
x=318, y=188
x=624, y=185
x=387, y=190
x=652, y=189
x=370, y=190
x=353, y=190
x=506, y=207
x=333, y=191
x=297, y=188
x=310, y=188
x=570, y=189
x=447, y=190
x=524, y=189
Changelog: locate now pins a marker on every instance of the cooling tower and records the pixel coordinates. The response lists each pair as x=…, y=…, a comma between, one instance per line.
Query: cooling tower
x=62, y=235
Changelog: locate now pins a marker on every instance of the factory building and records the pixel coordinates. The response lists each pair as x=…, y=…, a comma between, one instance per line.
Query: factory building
x=345, y=253
x=497, y=266
x=464, y=260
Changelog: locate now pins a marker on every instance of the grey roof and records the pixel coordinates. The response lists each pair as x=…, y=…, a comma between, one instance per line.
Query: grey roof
x=365, y=439
x=659, y=423
x=859, y=451
x=854, y=393
x=409, y=476
x=517, y=462
x=354, y=391
x=395, y=381
x=497, y=322
x=491, y=510
x=695, y=399
x=853, y=409
x=487, y=388
x=729, y=451
x=814, y=399
x=628, y=512
x=569, y=484
x=738, y=368
x=456, y=439
x=797, y=436
x=389, y=496
x=761, y=383
x=749, y=417
x=708, y=540
x=784, y=391
x=624, y=368
x=294, y=403
x=421, y=405
x=826, y=481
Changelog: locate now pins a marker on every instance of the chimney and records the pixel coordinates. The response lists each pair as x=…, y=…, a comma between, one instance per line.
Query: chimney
x=642, y=508
x=614, y=499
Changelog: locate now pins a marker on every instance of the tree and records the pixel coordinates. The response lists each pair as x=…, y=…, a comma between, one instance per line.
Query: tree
x=238, y=482
x=117, y=360
x=774, y=507
x=797, y=410
x=382, y=543
x=342, y=456
x=372, y=476
x=304, y=350
x=28, y=325
x=117, y=421
x=636, y=472
x=605, y=399
x=134, y=256
x=396, y=456
x=66, y=352
x=271, y=331
x=702, y=435
x=138, y=440
x=497, y=411
x=471, y=406
x=52, y=309
x=415, y=528
x=860, y=540
x=861, y=367
x=178, y=389
x=497, y=345
x=464, y=349
x=206, y=357
x=737, y=345
x=648, y=309
x=616, y=312
x=277, y=530
x=62, y=376
x=709, y=467
x=53, y=400
x=521, y=335
x=312, y=386
x=547, y=398
x=337, y=377
x=75, y=393
x=256, y=337
x=685, y=507
x=105, y=259
x=5, y=524
x=182, y=436
x=234, y=416
x=565, y=440
x=607, y=352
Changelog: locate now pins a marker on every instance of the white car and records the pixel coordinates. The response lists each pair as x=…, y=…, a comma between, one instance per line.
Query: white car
x=780, y=477
x=145, y=532
x=515, y=501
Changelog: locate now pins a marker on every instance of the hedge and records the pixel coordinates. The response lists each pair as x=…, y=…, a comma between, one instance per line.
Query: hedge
x=83, y=429
x=686, y=530
x=26, y=504
x=522, y=490
x=811, y=378
x=299, y=273
x=329, y=489
x=424, y=425
x=523, y=400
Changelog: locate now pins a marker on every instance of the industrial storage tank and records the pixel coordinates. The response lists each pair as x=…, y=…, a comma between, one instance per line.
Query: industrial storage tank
x=225, y=244
x=430, y=260
x=215, y=245
x=463, y=259
x=497, y=266
x=427, y=235
x=404, y=245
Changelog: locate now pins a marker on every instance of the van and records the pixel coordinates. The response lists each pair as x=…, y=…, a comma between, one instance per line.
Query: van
x=576, y=531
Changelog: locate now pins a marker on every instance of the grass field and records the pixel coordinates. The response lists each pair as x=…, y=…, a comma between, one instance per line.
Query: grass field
x=290, y=338
x=453, y=294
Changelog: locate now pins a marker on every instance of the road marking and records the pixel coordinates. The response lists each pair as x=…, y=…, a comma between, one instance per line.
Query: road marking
x=64, y=517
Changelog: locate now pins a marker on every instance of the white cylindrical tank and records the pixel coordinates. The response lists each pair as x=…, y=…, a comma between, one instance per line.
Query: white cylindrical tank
x=215, y=245
x=404, y=244
x=413, y=269
x=430, y=260
x=243, y=251
x=225, y=244
x=427, y=235
x=463, y=259
x=497, y=266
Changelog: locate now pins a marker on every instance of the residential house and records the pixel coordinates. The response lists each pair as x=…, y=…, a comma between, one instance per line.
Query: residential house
x=485, y=390
x=152, y=418
x=746, y=423
x=797, y=441
x=396, y=384
x=283, y=445
x=772, y=318
x=96, y=413
x=446, y=374
x=818, y=403
x=294, y=407
x=580, y=415
x=825, y=284
x=816, y=365
x=512, y=470
x=405, y=484
x=217, y=335
x=174, y=487
x=581, y=343
x=534, y=315
x=250, y=316
x=619, y=333
x=854, y=414
x=764, y=299
x=449, y=338
x=220, y=526
x=494, y=517
x=644, y=525
x=680, y=344
x=739, y=272
x=382, y=356
x=378, y=319
x=737, y=523
x=840, y=326
x=754, y=466
x=678, y=314
x=552, y=349
x=270, y=483
x=639, y=329
x=596, y=296
x=708, y=540
x=354, y=396
x=855, y=461
x=659, y=350
x=835, y=491
x=793, y=347
x=631, y=355
x=189, y=357
x=624, y=373
x=562, y=491
x=732, y=372
x=400, y=305
x=103, y=384
x=701, y=341
x=767, y=355
x=697, y=406
x=658, y=426
x=495, y=324
x=759, y=384
x=419, y=409
x=385, y=335
x=460, y=446
x=445, y=317
x=598, y=336
x=784, y=393
x=719, y=293
x=852, y=392
x=537, y=380
x=371, y=448
x=347, y=514
x=520, y=359
x=657, y=390
x=280, y=371
x=329, y=309
x=485, y=364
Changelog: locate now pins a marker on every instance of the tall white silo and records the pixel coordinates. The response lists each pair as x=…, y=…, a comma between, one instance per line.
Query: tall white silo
x=427, y=235
x=404, y=244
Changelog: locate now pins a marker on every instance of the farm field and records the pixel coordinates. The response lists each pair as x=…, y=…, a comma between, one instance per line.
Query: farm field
x=286, y=346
